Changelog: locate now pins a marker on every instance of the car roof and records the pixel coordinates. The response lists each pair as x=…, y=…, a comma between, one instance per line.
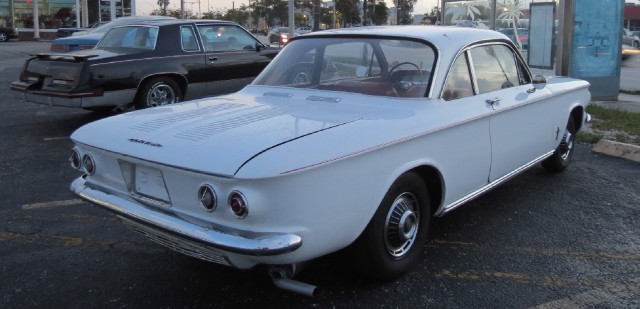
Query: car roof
x=185, y=21
x=448, y=39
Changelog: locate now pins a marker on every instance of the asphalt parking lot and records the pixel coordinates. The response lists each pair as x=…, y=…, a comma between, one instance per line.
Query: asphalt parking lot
x=570, y=240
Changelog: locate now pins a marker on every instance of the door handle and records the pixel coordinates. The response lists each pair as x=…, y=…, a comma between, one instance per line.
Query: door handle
x=213, y=58
x=493, y=102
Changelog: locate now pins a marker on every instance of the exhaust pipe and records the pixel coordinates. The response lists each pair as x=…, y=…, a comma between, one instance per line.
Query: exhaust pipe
x=281, y=276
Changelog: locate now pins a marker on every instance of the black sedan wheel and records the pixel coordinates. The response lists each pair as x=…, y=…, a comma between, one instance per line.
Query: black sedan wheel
x=561, y=157
x=3, y=37
x=393, y=241
x=158, y=91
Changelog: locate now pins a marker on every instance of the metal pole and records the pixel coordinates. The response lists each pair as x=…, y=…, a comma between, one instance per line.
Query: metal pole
x=292, y=24
x=36, y=21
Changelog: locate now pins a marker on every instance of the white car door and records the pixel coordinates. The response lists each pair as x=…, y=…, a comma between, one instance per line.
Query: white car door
x=469, y=159
x=521, y=127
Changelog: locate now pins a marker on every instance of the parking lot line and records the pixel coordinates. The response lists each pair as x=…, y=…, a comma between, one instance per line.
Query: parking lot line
x=57, y=138
x=52, y=204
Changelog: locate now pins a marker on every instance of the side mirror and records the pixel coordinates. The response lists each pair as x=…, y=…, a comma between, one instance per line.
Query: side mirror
x=539, y=82
x=258, y=46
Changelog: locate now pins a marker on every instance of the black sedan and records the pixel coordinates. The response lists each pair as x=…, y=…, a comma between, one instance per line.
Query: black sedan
x=8, y=33
x=146, y=65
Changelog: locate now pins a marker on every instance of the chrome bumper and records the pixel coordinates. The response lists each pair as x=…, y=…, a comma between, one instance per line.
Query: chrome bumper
x=114, y=98
x=258, y=244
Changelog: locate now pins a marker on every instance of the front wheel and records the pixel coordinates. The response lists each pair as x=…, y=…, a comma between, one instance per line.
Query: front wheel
x=561, y=157
x=392, y=242
x=158, y=91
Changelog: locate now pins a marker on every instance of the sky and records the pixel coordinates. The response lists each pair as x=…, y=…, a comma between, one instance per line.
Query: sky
x=145, y=7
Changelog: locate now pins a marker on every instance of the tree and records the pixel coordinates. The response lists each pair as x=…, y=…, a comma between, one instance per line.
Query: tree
x=163, y=5
x=511, y=10
x=403, y=11
x=348, y=10
x=379, y=13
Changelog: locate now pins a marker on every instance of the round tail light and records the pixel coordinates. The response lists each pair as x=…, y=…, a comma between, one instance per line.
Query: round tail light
x=207, y=197
x=238, y=204
x=88, y=164
x=74, y=159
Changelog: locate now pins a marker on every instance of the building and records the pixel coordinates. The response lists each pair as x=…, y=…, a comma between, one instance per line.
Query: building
x=54, y=14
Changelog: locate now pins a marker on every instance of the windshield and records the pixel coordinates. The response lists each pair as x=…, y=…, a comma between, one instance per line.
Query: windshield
x=373, y=66
x=139, y=37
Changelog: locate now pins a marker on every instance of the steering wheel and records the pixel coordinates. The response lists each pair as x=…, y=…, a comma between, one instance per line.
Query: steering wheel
x=402, y=85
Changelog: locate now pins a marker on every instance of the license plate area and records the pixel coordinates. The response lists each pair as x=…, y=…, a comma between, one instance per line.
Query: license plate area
x=146, y=184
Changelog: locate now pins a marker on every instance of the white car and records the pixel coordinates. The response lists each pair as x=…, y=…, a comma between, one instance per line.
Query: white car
x=351, y=138
x=303, y=30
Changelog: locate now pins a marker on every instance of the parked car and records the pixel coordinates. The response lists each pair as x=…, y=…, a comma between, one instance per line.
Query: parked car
x=303, y=30
x=523, y=36
x=351, y=138
x=8, y=33
x=630, y=38
x=65, y=32
x=279, y=35
x=148, y=64
x=88, y=38
x=628, y=52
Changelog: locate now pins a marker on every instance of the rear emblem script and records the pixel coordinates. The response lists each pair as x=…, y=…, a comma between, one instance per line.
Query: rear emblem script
x=139, y=141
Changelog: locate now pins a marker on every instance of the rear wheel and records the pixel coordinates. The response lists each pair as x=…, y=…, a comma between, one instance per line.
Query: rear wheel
x=3, y=37
x=393, y=241
x=561, y=157
x=158, y=91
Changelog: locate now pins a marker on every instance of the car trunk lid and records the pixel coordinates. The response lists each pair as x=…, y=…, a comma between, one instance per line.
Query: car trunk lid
x=216, y=135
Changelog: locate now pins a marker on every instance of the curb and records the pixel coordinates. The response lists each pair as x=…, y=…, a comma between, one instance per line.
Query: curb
x=617, y=149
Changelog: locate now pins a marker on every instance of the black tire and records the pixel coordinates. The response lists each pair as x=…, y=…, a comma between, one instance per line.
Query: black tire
x=561, y=157
x=4, y=37
x=158, y=91
x=381, y=253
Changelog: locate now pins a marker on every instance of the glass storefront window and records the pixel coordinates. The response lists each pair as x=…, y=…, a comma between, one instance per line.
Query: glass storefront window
x=476, y=13
x=52, y=14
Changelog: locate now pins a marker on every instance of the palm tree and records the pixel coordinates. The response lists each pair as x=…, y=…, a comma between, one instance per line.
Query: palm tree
x=465, y=9
x=511, y=10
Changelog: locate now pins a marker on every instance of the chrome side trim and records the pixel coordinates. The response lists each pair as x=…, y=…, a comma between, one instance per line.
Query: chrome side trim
x=251, y=243
x=492, y=185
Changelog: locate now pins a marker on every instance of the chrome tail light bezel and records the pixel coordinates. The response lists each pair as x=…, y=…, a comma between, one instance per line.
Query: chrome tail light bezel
x=238, y=204
x=88, y=164
x=75, y=159
x=208, y=197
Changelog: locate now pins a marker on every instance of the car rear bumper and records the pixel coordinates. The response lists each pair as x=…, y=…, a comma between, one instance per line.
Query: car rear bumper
x=186, y=237
x=88, y=100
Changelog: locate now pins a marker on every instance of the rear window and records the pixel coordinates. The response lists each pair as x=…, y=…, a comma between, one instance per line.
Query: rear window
x=138, y=37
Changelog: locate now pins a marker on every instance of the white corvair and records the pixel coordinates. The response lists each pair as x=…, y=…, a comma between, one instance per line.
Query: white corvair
x=349, y=139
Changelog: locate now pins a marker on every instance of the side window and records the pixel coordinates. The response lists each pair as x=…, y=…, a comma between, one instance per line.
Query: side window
x=189, y=42
x=458, y=83
x=225, y=38
x=238, y=39
x=495, y=67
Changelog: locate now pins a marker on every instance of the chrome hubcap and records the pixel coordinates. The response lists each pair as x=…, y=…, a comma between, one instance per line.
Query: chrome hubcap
x=566, y=145
x=161, y=95
x=401, y=225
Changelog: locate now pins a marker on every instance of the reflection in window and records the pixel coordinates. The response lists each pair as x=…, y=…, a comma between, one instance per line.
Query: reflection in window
x=138, y=37
x=458, y=83
x=189, y=42
x=225, y=38
x=495, y=67
x=380, y=67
